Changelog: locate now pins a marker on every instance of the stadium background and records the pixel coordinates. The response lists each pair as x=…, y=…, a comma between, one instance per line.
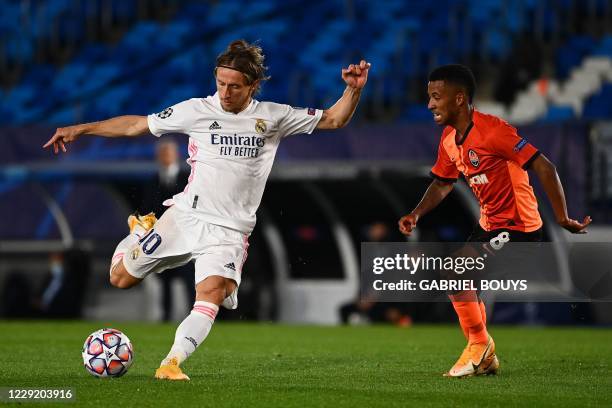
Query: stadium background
x=546, y=66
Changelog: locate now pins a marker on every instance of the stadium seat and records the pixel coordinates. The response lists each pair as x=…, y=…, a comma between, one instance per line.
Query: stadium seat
x=558, y=114
x=392, y=34
x=416, y=113
x=599, y=106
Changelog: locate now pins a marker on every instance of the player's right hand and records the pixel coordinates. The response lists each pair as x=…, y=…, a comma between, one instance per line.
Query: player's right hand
x=407, y=223
x=62, y=137
x=576, y=227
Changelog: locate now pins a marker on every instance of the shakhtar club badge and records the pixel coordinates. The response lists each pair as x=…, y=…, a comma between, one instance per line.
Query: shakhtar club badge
x=473, y=158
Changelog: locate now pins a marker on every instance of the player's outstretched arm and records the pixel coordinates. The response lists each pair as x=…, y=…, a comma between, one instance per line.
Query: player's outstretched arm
x=436, y=192
x=547, y=173
x=341, y=113
x=130, y=125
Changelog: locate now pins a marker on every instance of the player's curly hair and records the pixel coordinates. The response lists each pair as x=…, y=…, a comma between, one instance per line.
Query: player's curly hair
x=245, y=58
x=456, y=74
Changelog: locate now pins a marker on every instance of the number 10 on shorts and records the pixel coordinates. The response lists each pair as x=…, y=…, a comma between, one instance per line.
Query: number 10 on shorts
x=150, y=242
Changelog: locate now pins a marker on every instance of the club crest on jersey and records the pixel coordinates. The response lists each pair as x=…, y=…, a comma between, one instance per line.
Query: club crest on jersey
x=135, y=253
x=260, y=126
x=165, y=113
x=473, y=158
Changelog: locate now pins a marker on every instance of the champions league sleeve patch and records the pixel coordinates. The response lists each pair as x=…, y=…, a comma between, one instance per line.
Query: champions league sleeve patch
x=165, y=113
x=520, y=145
x=310, y=111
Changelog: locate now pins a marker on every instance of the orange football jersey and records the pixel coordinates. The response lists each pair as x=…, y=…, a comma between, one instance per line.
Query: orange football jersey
x=492, y=158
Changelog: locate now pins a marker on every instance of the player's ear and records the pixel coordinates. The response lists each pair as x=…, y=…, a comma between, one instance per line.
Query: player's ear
x=460, y=98
x=255, y=87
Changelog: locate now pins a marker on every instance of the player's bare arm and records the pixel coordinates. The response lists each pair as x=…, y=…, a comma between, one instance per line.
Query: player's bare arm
x=130, y=125
x=547, y=173
x=355, y=77
x=436, y=192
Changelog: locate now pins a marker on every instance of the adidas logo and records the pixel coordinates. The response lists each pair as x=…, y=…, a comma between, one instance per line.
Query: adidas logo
x=230, y=266
x=214, y=126
x=192, y=341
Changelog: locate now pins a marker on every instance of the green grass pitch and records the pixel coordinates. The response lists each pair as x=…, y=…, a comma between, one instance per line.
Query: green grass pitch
x=246, y=365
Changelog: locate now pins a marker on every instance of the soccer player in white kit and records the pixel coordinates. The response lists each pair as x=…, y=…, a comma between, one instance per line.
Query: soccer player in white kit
x=233, y=139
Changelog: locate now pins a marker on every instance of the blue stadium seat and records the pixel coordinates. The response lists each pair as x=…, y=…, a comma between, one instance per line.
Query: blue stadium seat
x=92, y=54
x=18, y=50
x=598, y=106
x=497, y=44
x=63, y=117
x=143, y=33
x=257, y=9
x=10, y=20
x=197, y=12
x=604, y=48
x=402, y=38
x=175, y=35
x=557, y=113
x=572, y=54
x=113, y=102
x=416, y=113
x=123, y=10
x=70, y=78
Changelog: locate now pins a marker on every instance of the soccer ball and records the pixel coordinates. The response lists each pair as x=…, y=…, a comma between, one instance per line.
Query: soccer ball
x=107, y=353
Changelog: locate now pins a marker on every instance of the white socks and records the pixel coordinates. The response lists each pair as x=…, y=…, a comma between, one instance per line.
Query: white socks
x=122, y=248
x=192, y=331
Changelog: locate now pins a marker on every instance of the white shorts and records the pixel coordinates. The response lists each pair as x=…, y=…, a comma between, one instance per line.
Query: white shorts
x=178, y=238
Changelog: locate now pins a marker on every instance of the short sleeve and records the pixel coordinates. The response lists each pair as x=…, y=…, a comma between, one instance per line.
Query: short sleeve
x=444, y=169
x=299, y=120
x=176, y=119
x=512, y=147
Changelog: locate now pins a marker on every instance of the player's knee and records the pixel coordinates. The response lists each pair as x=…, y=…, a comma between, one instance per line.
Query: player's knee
x=117, y=281
x=122, y=280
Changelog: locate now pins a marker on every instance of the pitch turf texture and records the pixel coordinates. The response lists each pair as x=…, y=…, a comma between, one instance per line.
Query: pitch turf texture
x=246, y=365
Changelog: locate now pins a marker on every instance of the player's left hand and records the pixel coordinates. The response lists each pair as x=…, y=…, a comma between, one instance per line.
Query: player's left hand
x=356, y=76
x=576, y=227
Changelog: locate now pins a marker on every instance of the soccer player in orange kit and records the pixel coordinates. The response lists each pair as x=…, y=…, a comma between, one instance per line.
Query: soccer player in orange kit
x=494, y=160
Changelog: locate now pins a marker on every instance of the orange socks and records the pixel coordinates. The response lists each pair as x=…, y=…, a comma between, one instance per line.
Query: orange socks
x=483, y=312
x=472, y=317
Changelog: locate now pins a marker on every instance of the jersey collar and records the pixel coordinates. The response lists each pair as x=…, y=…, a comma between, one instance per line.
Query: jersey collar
x=465, y=134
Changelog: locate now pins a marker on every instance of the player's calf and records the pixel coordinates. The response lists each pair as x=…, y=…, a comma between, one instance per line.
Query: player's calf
x=215, y=289
x=120, y=277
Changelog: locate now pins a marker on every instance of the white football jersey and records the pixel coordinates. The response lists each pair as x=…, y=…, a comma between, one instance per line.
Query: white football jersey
x=230, y=154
